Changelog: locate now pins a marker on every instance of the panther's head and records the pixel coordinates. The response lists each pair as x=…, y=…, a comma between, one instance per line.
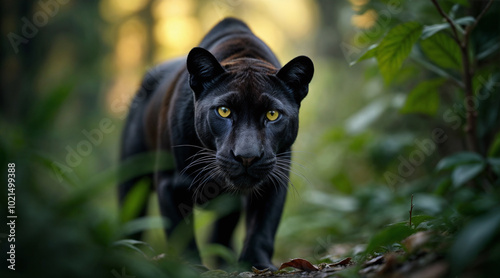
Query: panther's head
x=246, y=115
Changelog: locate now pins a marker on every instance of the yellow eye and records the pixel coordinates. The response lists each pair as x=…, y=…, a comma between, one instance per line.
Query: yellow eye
x=224, y=111
x=272, y=115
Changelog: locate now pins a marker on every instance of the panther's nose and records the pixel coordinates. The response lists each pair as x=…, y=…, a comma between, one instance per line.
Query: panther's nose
x=248, y=148
x=246, y=161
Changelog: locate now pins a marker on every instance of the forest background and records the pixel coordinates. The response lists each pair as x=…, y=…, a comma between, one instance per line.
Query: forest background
x=403, y=110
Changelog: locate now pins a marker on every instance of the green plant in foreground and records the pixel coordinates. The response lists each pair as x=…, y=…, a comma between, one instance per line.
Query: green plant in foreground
x=456, y=55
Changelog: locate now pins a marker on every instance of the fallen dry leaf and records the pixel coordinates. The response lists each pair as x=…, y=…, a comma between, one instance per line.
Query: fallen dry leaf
x=417, y=240
x=390, y=264
x=434, y=270
x=375, y=261
x=299, y=264
x=259, y=271
x=343, y=262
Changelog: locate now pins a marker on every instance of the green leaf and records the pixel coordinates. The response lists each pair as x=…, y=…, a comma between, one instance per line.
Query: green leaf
x=495, y=146
x=131, y=244
x=418, y=56
x=465, y=173
x=144, y=223
x=419, y=219
x=494, y=162
x=443, y=186
x=135, y=200
x=424, y=98
x=433, y=29
x=458, y=159
x=219, y=250
x=388, y=236
x=488, y=100
x=429, y=203
x=443, y=51
x=370, y=53
x=487, y=47
x=135, y=166
x=60, y=171
x=43, y=114
x=462, y=2
x=474, y=239
x=395, y=47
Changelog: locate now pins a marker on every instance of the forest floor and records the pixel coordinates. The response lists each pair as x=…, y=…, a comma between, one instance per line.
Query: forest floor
x=392, y=264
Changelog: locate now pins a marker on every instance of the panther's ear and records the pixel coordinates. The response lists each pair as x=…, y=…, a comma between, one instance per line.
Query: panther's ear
x=297, y=74
x=203, y=68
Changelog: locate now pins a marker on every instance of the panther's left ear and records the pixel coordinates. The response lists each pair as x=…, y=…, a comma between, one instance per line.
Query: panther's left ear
x=297, y=74
x=203, y=68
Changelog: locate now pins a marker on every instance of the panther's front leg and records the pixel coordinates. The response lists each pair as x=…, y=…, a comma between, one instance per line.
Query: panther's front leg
x=263, y=216
x=176, y=205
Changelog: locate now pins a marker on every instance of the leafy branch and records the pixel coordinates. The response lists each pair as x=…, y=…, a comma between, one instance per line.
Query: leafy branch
x=467, y=71
x=445, y=50
x=441, y=49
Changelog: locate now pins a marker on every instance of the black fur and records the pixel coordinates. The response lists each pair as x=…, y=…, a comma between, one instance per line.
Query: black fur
x=176, y=110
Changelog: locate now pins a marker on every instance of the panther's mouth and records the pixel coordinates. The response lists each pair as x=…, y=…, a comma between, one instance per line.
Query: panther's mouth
x=244, y=182
x=219, y=173
x=246, y=178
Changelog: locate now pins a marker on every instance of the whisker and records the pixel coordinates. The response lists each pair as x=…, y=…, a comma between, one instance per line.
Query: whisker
x=191, y=146
x=197, y=162
x=201, y=153
x=257, y=190
x=200, y=186
x=295, y=163
x=291, y=152
x=202, y=170
x=285, y=180
x=291, y=161
x=290, y=167
x=287, y=156
x=198, y=172
x=278, y=181
x=292, y=171
x=206, y=157
x=274, y=181
x=211, y=174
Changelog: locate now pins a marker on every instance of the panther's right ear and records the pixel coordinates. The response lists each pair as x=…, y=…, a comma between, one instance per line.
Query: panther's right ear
x=297, y=74
x=203, y=68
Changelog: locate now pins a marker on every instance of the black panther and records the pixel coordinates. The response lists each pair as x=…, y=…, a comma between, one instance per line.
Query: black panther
x=228, y=114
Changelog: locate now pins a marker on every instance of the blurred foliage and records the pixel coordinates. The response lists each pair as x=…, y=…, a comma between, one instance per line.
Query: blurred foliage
x=372, y=134
x=454, y=67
